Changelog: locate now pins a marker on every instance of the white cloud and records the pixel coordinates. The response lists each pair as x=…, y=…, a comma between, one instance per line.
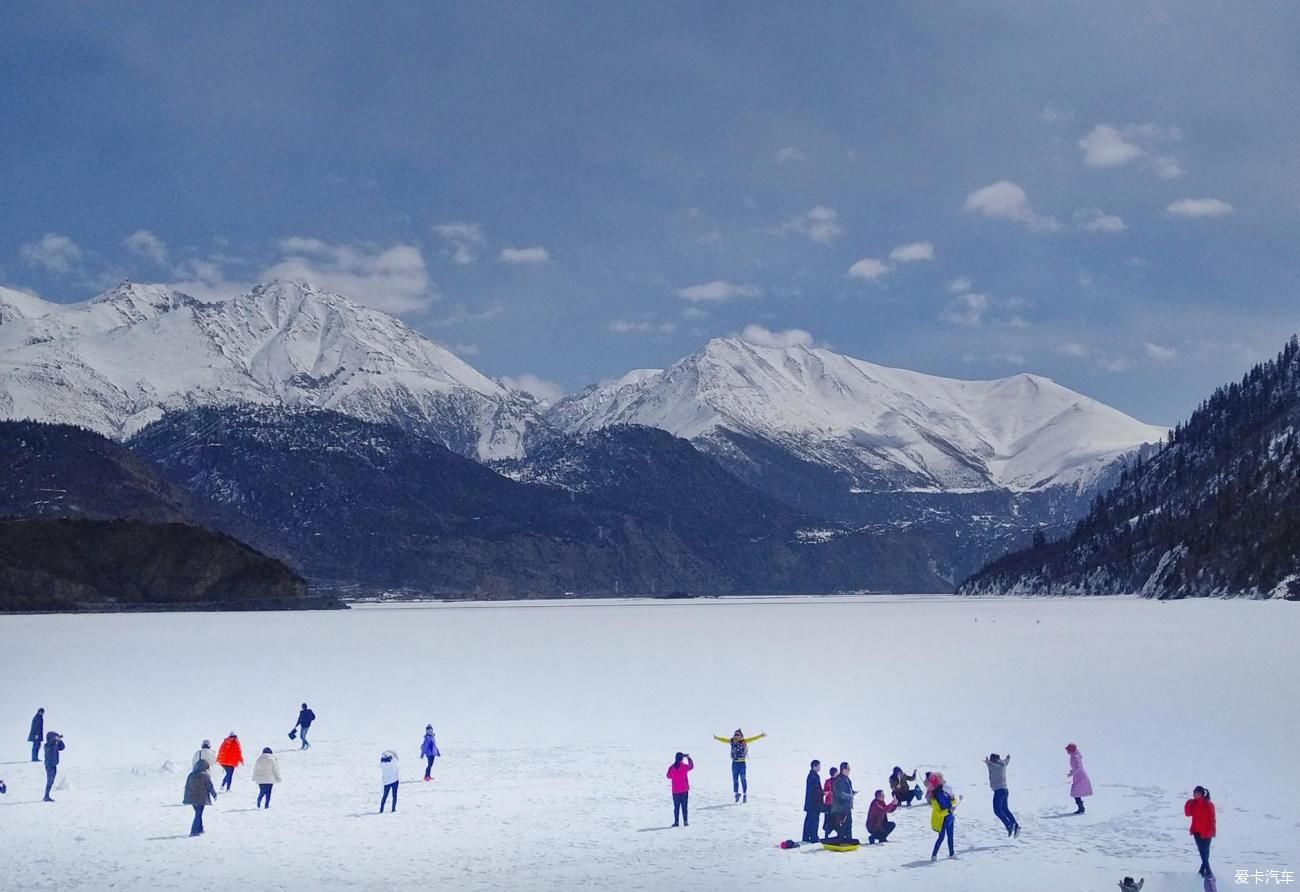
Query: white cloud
x=623, y=326
x=1054, y=114
x=967, y=310
x=1114, y=364
x=55, y=253
x=716, y=291
x=790, y=154
x=1004, y=200
x=1199, y=208
x=868, y=268
x=206, y=280
x=394, y=279
x=465, y=349
x=694, y=313
x=147, y=245
x=1097, y=220
x=1016, y=359
x=1072, y=349
x=1109, y=146
x=1084, y=279
x=959, y=286
x=1160, y=353
x=545, y=391
x=764, y=337
x=463, y=240
x=535, y=254
x=821, y=224
x=912, y=252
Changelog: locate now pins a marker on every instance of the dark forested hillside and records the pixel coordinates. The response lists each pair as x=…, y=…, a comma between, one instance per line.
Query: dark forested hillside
x=1215, y=512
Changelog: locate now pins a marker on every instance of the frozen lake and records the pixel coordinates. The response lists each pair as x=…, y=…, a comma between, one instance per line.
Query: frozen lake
x=558, y=720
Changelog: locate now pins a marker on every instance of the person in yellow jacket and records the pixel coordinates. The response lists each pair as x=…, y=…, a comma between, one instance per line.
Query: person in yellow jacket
x=942, y=806
x=739, y=753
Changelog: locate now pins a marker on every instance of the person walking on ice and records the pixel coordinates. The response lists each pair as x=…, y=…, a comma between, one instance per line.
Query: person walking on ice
x=206, y=753
x=36, y=736
x=998, y=783
x=429, y=750
x=1202, y=812
x=942, y=821
x=305, y=718
x=681, y=787
x=199, y=792
x=812, y=801
x=230, y=756
x=53, y=746
x=1080, y=783
x=388, y=775
x=739, y=753
x=266, y=774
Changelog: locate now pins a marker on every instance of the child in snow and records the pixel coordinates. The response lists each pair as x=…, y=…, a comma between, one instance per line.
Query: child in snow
x=1201, y=810
x=942, y=821
x=681, y=787
x=739, y=753
x=206, y=753
x=198, y=793
x=827, y=798
x=901, y=786
x=53, y=746
x=388, y=776
x=878, y=824
x=266, y=774
x=1127, y=884
x=230, y=756
x=429, y=750
x=998, y=783
x=1080, y=784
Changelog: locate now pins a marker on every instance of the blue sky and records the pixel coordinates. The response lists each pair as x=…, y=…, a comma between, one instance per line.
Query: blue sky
x=1105, y=193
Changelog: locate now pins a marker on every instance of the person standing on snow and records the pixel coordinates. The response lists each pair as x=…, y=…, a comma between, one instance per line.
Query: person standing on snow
x=230, y=756
x=429, y=750
x=901, y=786
x=828, y=798
x=206, y=753
x=1202, y=812
x=681, y=787
x=1080, y=783
x=998, y=784
x=53, y=746
x=37, y=734
x=305, y=718
x=739, y=753
x=842, y=794
x=388, y=774
x=942, y=820
x=812, y=801
x=199, y=792
x=878, y=824
x=266, y=774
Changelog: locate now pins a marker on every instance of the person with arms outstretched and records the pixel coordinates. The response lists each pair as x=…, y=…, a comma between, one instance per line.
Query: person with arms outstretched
x=998, y=783
x=739, y=754
x=681, y=787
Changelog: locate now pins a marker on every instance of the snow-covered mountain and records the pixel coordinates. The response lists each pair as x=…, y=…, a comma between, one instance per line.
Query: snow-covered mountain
x=878, y=429
x=118, y=361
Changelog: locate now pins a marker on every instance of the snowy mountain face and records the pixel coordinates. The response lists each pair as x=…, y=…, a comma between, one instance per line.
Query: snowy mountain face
x=878, y=429
x=119, y=361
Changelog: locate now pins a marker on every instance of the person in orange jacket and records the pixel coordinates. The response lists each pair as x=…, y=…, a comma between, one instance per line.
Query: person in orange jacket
x=230, y=756
x=1201, y=810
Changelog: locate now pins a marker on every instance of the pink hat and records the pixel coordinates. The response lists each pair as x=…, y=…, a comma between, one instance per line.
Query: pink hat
x=1071, y=748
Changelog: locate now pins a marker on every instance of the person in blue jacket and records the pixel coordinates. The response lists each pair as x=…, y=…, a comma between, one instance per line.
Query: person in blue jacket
x=53, y=746
x=305, y=718
x=37, y=735
x=429, y=749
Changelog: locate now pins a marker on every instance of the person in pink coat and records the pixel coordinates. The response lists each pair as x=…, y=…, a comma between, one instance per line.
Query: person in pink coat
x=1080, y=784
x=677, y=772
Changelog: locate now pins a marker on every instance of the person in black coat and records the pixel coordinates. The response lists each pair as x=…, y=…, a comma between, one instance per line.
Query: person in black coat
x=37, y=734
x=812, y=802
x=305, y=718
x=53, y=746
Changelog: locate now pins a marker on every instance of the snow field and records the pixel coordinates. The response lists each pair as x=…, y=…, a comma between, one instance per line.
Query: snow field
x=558, y=720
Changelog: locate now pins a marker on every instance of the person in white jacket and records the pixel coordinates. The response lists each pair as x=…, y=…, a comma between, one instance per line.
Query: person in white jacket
x=388, y=775
x=266, y=774
x=206, y=753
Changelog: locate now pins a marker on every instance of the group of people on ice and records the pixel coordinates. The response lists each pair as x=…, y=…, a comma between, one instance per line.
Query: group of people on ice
x=831, y=801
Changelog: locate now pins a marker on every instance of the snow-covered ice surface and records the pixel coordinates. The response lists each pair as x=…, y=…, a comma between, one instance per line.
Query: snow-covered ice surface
x=558, y=720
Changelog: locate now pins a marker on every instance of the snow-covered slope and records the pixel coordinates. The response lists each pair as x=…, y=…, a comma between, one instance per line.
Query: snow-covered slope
x=886, y=429
x=117, y=362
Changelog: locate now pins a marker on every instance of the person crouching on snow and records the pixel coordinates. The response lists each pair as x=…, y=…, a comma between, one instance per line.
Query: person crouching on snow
x=429, y=750
x=901, y=786
x=388, y=775
x=878, y=824
x=266, y=774
x=230, y=756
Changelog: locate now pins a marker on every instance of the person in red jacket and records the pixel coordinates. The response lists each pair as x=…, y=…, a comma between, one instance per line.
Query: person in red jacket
x=827, y=795
x=681, y=787
x=1201, y=810
x=230, y=756
x=878, y=824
